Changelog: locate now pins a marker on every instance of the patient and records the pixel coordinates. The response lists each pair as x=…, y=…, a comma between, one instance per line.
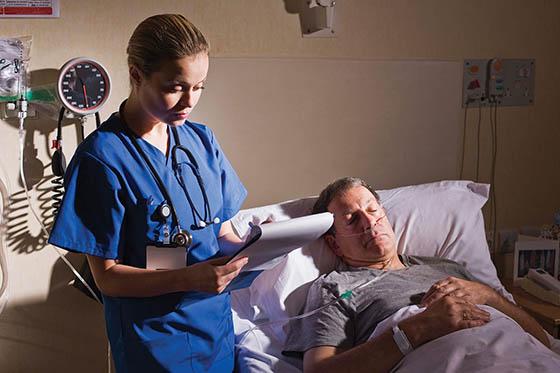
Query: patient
x=337, y=338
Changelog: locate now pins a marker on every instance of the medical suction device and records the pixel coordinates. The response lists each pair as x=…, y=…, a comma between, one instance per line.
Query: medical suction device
x=83, y=87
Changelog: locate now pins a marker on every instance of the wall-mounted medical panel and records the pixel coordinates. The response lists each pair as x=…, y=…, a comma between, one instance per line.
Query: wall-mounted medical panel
x=507, y=82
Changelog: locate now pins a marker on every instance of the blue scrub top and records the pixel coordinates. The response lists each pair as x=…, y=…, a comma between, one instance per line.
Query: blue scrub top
x=109, y=210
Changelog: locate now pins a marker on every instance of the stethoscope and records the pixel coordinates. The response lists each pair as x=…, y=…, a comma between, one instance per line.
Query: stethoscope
x=182, y=237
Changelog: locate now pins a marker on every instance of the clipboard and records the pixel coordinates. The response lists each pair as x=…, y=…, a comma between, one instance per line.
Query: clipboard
x=268, y=243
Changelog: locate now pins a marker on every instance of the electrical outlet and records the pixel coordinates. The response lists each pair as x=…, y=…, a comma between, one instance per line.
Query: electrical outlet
x=495, y=79
x=474, y=82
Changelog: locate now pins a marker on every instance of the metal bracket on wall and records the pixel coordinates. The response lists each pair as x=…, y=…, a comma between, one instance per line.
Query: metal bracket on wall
x=317, y=20
x=8, y=111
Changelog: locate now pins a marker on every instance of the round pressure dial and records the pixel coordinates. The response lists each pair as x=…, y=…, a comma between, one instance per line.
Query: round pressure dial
x=83, y=85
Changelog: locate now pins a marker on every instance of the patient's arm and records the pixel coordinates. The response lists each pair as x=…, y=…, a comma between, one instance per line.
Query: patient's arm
x=381, y=353
x=478, y=293
x=378, y=355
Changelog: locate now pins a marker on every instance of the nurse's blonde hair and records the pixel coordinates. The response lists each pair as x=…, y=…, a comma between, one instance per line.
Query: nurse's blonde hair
x=163, y=37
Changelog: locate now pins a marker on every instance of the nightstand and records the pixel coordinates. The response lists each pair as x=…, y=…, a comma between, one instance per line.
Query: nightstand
x=547, y=314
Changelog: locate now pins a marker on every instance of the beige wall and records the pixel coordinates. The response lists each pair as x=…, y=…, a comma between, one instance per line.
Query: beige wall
x=49, y=324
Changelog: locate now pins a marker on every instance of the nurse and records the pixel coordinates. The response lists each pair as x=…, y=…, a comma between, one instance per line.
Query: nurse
x=150, y=181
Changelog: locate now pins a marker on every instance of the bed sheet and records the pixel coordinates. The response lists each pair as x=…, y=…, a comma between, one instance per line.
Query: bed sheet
x=259, y=350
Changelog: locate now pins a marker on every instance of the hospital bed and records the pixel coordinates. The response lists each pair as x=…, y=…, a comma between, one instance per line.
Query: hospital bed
x=442, y=219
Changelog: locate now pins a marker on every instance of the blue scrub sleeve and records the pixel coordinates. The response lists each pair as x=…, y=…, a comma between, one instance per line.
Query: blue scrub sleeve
x=233, y=191
x=91, y=216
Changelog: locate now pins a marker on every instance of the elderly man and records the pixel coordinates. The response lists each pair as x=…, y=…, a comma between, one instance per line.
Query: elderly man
x=337, y=338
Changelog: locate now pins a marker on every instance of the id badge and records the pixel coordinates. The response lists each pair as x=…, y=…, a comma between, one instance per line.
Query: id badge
x=165, y=257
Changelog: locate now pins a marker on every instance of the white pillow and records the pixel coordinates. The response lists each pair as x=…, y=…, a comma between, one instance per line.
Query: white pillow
x=442, y=219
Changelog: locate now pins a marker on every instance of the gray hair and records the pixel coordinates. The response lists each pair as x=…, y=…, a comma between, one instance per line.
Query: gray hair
x=337, y=188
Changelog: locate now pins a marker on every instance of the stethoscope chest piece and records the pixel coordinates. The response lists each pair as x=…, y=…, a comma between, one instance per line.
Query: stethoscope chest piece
x=182, y=238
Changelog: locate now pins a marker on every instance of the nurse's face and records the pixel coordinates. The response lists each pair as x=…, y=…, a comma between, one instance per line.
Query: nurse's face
x=170, y=94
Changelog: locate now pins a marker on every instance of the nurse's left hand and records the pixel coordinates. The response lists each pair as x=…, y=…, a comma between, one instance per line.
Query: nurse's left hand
x=212, y=276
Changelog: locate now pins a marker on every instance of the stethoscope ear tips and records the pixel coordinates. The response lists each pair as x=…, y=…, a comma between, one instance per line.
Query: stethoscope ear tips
x=203, y=224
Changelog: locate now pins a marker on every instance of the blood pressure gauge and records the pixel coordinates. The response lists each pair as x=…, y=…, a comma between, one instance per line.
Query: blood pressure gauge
x=83, y=85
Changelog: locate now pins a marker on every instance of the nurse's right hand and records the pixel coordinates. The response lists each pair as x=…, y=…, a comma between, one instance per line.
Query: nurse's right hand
x=212, y=276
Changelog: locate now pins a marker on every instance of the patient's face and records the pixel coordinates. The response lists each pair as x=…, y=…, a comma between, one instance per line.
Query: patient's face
x=363, y=235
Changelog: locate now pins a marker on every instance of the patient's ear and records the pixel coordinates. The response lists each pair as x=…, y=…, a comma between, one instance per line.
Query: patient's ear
x=331, y=243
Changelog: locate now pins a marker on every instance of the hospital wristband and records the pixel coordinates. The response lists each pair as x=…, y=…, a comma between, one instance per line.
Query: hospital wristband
x=401, y=340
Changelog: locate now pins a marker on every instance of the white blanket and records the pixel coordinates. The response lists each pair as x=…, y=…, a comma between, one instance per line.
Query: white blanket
x=499, y=346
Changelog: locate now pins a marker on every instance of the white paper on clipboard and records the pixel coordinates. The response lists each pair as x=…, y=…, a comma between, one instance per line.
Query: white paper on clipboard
x=268, y=243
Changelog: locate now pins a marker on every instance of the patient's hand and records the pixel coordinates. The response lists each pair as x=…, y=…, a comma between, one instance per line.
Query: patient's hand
x=443, y=316
x=471, y=291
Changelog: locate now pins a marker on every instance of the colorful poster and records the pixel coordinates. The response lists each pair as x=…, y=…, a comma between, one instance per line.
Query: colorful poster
x=29, y=8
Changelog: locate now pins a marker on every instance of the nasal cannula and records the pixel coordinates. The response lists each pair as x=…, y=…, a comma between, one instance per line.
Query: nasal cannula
x=345, y=295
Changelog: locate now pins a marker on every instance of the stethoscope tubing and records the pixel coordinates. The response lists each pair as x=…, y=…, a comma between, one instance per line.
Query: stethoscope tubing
x=193, y=164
